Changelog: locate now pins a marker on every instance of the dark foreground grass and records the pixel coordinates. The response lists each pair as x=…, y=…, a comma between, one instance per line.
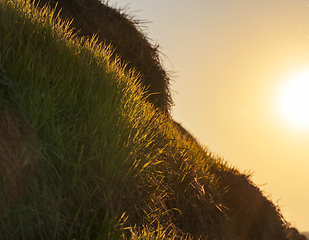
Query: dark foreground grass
x=84, y=155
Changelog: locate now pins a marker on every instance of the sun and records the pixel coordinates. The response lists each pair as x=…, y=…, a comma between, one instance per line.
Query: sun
x=294, y=100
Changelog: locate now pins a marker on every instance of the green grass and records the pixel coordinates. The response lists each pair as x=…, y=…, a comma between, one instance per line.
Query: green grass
x=93, y=159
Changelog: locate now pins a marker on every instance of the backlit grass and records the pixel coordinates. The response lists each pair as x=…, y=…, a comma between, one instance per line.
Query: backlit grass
x=95, y=159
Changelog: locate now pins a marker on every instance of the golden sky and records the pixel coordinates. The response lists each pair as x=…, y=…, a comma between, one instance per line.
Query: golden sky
x=233, y=61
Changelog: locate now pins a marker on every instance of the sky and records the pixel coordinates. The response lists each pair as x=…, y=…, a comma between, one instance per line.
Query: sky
x=233, y=66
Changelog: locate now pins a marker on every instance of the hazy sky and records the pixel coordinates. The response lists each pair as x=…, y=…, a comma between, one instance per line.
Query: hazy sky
x=232, y=60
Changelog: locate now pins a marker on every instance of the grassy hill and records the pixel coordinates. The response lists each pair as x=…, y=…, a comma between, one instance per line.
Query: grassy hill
x=123, y=32
x=86, y=155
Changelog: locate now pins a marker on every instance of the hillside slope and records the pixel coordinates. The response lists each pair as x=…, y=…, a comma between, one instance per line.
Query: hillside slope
x=115, y=27
x=84, y=155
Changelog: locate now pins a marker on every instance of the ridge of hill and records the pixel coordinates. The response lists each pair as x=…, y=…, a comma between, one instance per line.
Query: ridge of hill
x=123, y=32
x=306, y=234
x=85, y=155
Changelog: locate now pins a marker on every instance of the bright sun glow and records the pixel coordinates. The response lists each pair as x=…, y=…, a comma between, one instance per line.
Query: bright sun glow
x=294, y=100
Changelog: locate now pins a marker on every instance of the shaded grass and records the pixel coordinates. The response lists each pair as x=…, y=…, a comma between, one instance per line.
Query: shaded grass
x=110, y=166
